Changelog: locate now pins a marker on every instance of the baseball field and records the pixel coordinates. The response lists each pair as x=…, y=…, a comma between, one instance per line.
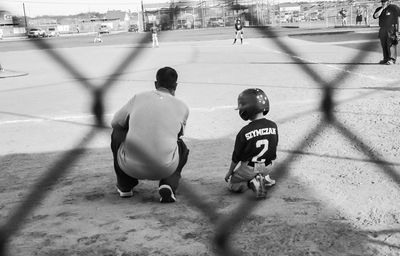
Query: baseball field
x=337, y=171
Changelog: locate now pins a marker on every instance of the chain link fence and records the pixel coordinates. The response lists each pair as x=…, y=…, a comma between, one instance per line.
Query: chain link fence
x=224, y=225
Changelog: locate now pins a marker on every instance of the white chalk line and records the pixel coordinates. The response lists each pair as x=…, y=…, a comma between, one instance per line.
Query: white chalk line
x=351, y=42
x=87, y=116
x=333, y=66
x=110, y=115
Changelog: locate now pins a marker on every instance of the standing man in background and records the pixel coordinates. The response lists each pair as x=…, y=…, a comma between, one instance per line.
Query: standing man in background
x=358, y=16
x=388, y=15
x=343, y=14
x=365, y=15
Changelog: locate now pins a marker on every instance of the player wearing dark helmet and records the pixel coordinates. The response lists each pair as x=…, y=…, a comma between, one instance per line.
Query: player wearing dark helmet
x=238, y=31
x=255, y=145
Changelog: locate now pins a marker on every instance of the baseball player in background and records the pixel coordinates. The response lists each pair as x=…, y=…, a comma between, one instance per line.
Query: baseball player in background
x=146, y=138
x=255, y=146
x=98, y=38
x=343, y=15
x=238, y=31
x=154, y=35
x=359, y=14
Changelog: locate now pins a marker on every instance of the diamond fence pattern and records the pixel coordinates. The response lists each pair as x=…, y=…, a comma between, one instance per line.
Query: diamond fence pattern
x=224, y=226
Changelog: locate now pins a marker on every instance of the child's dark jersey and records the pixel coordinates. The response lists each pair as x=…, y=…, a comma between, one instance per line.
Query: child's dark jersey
x=256, y=142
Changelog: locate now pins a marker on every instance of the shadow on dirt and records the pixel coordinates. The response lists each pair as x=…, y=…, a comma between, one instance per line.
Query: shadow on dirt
x=83, y=215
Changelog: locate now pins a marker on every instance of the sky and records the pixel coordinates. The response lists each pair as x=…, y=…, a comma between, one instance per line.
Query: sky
x=67, y=7
x=35, y=8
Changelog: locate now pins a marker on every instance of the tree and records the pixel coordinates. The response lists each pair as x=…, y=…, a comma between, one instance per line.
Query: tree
x=18, y=21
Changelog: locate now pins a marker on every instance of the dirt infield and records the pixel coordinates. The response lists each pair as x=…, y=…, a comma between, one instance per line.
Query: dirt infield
x=340, y=196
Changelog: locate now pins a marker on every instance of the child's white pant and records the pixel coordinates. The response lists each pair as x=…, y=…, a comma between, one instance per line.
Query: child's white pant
x=155, y=40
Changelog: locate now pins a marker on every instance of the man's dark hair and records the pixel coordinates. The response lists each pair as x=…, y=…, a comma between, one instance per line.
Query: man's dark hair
x=167, y=77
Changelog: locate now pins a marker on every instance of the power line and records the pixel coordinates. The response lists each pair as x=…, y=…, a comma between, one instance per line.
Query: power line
x=69, y=2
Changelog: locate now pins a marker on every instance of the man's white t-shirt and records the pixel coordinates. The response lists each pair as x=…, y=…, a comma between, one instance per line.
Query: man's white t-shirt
x=155, y=120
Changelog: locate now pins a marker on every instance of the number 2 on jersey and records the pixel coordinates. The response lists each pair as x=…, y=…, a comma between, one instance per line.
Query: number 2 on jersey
x=264, y=144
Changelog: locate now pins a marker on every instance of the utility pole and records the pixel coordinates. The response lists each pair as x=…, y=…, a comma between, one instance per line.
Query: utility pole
x=279, y=11
x=223, y=13
x=326, y=15
x=143, y=20
x=26, y=23
x=173, y=14
x=351, y=13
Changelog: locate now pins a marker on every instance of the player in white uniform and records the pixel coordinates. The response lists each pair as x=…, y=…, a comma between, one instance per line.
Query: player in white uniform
x=146, y=140
x=98, y=38
x=154, y=35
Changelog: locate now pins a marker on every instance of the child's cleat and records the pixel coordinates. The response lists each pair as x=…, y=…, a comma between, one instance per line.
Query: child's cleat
x=268, y=181
x=257, y=184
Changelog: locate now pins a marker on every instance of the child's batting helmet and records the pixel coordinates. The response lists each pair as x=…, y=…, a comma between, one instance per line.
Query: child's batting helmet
x=251, y=102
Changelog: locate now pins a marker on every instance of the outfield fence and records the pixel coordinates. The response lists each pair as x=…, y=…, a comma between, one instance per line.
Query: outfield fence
x=225, y=226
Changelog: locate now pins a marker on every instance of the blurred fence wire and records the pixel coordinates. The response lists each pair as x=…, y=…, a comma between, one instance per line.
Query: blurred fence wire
x=223, y=224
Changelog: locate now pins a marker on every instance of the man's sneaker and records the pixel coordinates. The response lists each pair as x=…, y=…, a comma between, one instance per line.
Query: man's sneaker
x=125, y=194
x=390, y=62
x=383, y=62
x=268, y=181
x=166, y=193
x=257, y=184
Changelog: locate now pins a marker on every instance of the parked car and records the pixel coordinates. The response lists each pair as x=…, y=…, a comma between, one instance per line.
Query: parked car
x=230, y=21
x=215, y=22
x=181, y=24
x=36, y=33
x=133, y=28
x=53, y=32
x=166, y=26
x=104, y=29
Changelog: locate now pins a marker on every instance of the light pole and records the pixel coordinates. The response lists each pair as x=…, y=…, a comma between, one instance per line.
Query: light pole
x=326, y=15
x=143, y=20
x=26, y=22
x=279, y=13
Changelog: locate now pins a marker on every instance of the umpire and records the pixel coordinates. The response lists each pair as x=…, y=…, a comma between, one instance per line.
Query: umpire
x=388, y=15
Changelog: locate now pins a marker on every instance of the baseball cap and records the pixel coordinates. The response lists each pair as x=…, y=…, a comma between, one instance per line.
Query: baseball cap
x=382, y=1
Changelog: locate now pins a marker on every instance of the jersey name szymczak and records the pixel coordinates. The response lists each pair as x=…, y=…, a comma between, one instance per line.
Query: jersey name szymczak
x=256, y=142
x=259, y=132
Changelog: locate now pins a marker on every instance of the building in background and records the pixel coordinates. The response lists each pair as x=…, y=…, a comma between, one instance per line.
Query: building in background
x=11, y=25
x=6, y=18
x=289, y=13
x=120, y=20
